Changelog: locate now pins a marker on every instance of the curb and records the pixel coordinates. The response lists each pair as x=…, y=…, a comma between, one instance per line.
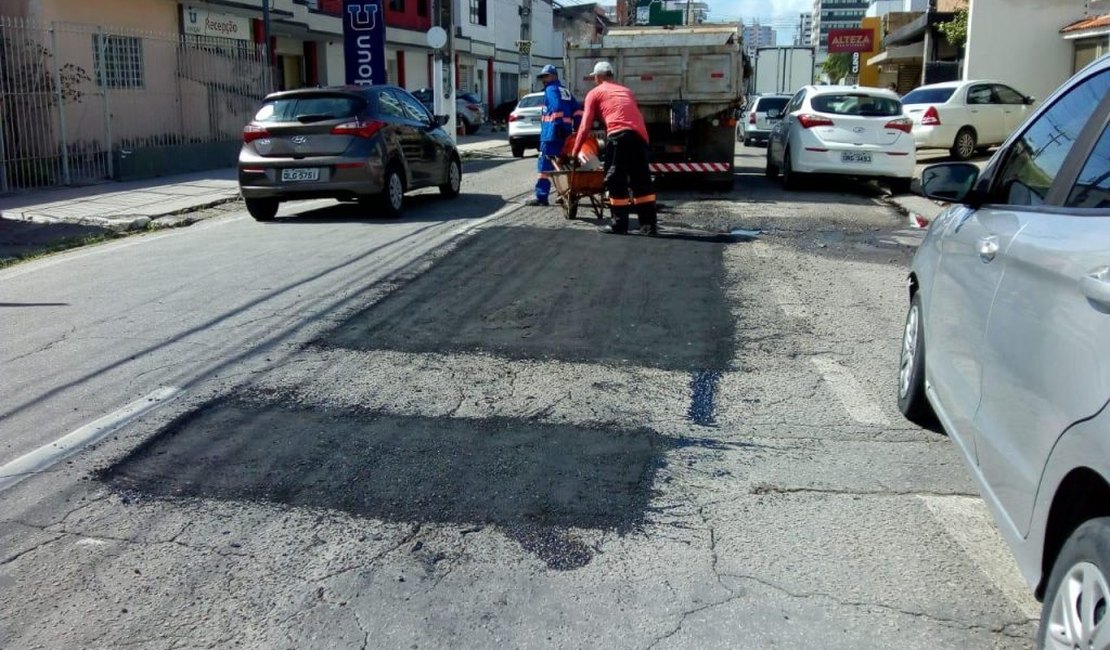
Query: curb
x=117, y=224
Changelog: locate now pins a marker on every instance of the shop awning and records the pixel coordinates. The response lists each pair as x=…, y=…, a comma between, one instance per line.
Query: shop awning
x=912, y=53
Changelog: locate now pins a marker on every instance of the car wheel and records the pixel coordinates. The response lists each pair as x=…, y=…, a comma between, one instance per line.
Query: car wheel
x=464, y=124
x=747, y=142
x=1074, y=614
x=262, y=209
x=392, y=198
x=518, y=151
x=963, y=147
x=911, y=370
x=791, y=180
x=771, y=171
x=450, y=189
x=900, y=185
x=471, y=129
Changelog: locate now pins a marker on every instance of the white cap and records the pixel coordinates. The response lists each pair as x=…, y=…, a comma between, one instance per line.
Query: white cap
x=602, y=67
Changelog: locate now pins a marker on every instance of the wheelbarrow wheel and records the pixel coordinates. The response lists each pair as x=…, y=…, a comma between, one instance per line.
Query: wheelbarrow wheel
x=570, y=207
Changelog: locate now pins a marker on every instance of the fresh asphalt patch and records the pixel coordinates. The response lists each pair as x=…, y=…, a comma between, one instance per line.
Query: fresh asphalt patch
x=567, y=294
x=537, y=482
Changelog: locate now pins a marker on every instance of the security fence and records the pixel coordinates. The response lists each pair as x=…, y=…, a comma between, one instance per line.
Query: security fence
x=80, y=103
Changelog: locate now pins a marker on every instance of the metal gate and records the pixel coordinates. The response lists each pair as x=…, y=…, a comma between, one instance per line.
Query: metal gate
x=74, y=99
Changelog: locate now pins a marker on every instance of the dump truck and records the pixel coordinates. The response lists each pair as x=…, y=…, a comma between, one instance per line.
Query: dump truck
x=782, y=70
x=689, y=85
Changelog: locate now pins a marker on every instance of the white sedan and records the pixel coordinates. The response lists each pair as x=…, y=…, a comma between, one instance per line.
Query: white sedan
x=524, y=124
x=843, y=130
x=965, y=116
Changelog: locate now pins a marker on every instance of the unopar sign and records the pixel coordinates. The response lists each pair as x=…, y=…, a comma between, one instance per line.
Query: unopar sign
x=851, y=40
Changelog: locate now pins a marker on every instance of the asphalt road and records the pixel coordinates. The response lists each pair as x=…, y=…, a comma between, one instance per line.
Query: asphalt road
x=483, y=425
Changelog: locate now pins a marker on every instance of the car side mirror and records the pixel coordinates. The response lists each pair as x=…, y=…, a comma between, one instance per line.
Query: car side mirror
x=951, y=182
x=442, y=119
x=774, y=114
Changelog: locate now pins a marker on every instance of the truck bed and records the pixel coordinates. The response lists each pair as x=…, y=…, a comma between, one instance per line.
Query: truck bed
x=699, y=65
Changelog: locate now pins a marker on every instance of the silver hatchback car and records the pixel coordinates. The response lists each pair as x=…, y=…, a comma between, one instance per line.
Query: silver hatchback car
x=1007, y=342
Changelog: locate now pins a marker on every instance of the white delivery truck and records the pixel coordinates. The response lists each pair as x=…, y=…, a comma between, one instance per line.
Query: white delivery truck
x=782, y=70
x=689, y=85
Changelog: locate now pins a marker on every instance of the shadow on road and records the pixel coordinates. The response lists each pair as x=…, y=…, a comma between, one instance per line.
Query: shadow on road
x=425, y=207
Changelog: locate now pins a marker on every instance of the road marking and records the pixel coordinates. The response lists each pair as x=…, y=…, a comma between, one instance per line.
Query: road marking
x=789, y=300
x=969, y=523
x=70, y=444
x=851, y=394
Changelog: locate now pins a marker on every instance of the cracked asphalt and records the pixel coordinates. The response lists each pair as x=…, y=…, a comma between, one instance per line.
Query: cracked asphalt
x=483, y=425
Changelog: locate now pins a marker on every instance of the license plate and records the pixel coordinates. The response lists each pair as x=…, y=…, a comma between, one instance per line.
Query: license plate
x=299, y=175
x=855, y=157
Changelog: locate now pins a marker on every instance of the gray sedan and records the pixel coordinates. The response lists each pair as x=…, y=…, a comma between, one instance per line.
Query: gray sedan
x=1007, y=344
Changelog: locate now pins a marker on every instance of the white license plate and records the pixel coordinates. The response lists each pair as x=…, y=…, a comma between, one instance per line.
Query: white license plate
x=856, y=157
x=299, y=175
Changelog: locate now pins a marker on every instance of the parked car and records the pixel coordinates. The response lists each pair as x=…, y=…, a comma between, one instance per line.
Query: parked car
x=965, y=116
x=755, y=125
x=842, y=130
x=524, y=124
x=1007, y=342
x=469, y=109
x=366, y=144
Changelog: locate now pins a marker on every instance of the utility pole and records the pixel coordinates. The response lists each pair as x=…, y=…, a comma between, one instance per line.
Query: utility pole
x=266, y=40
x=524, y=47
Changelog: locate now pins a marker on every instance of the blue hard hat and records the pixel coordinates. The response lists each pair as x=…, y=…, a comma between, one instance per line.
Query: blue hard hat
x=548, y=69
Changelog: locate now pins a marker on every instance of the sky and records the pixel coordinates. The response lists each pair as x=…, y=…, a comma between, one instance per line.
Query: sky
x=782, y=15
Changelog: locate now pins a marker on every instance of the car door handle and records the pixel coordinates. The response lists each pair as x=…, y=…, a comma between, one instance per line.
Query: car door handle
x=988, y=248
x=1096, y=285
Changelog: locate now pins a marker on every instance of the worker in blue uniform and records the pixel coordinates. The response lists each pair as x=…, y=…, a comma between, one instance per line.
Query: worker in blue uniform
x=560, y=115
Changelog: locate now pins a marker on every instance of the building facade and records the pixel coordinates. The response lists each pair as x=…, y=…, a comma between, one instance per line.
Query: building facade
x=805, y=29
x=756, y=36
x=835, y=14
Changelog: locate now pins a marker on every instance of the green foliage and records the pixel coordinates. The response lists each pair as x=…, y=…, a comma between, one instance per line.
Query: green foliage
x=837, y=66
x=955, y=30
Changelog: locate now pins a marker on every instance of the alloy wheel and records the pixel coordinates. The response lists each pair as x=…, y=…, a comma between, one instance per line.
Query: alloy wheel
x=909, y=351
x=1078, y=616
x=396, y=191
x=966, y=145
x=454, y=178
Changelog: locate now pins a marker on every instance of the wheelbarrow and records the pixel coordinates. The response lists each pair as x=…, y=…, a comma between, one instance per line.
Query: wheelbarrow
x=575, y=182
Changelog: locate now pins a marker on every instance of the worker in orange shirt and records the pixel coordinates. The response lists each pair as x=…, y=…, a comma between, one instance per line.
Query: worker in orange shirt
x=627, y=176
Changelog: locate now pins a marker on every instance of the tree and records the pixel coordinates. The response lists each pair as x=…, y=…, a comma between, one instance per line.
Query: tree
x=837, y=66
x=955, y=30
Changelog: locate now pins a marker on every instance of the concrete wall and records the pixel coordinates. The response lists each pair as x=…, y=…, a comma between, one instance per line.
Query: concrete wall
x=1019, y=42
x=159, y=16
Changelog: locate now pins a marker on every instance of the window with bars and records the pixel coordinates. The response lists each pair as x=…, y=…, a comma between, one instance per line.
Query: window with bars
x=118, y=61
x=478, y=12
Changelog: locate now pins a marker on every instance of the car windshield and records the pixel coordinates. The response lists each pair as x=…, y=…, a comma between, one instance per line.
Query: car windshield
x=307, y=108
x=860, y=104
x=529, y=101
x=928, y=96
x=771, y=103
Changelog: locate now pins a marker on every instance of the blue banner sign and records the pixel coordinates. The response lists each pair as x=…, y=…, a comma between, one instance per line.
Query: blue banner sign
x=364, y=42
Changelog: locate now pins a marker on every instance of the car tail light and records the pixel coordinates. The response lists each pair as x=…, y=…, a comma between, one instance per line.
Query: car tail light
x=931, y=117
x=513, y=117
x=252, y=132
x=358, y=129
x=809, y=121
x=751, y=118
x=903, y=124
x=473, y=107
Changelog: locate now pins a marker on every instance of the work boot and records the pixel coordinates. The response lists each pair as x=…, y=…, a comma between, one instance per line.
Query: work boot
x=610, y=230
x=537, y=202
x=620, y=218
x=646, y=215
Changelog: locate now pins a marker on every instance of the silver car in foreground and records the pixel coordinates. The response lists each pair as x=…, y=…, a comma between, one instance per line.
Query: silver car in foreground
x=1007, y=342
